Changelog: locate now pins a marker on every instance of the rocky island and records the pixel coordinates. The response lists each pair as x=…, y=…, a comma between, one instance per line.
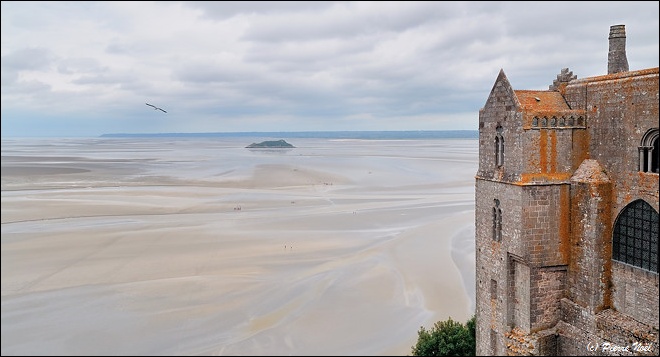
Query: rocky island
x=271, y=144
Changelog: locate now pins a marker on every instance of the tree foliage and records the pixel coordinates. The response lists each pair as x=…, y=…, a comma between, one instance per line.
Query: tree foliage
x=447, y=338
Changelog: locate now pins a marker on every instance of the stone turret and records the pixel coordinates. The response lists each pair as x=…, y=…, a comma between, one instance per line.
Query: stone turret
x=616, y=57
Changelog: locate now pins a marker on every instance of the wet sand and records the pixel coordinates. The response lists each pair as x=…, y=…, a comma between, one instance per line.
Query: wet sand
x=203, y=247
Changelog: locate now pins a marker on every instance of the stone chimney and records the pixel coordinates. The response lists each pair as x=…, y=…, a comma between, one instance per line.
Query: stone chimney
x=616, y=58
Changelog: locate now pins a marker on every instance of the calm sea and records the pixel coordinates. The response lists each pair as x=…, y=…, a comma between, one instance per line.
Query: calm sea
x=407, y=134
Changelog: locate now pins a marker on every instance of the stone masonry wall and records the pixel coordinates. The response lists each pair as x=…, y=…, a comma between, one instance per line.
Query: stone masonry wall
x=608, y=333
x=549, y=286
x=518, y=302
x=550, y=154
x=492, y=258
x=546, y=224
x=621, y=335
x=620, y=109
x=635, y=293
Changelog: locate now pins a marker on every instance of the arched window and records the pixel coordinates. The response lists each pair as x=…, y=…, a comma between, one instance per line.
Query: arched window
x=497, y=221
x=648, y=152
x=635, y=238
x=499, y=147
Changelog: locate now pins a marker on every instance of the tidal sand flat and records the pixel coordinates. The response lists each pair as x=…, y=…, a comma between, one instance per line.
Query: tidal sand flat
x=162, y=246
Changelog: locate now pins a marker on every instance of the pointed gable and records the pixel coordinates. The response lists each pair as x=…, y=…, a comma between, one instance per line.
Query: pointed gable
x=502, y=96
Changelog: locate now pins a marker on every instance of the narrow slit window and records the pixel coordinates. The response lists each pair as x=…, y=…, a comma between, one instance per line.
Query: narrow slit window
x=499, y=147
x=497, y=221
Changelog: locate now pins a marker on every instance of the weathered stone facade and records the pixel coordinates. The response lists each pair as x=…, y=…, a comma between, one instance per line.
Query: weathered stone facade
x=567, y=214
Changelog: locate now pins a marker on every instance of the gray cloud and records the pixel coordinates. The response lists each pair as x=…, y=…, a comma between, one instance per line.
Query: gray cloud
x=297, y=65
x=221, y=10
x=80, y=65
x=31, y=59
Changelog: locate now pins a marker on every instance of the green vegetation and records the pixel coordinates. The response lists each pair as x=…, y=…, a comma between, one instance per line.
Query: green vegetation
x=447, y=338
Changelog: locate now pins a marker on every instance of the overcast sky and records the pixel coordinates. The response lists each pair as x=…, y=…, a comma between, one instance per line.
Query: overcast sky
x=88, y=68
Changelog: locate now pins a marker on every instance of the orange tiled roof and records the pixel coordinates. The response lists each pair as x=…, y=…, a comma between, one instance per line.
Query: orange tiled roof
x=541, y=101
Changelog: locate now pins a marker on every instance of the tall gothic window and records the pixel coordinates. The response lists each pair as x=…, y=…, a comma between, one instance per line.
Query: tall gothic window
x=635, y=238
x=499, y=147
x=648, y=152
x=497, y=221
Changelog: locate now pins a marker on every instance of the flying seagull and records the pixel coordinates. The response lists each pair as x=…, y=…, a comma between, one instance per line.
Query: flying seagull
x=155, y=107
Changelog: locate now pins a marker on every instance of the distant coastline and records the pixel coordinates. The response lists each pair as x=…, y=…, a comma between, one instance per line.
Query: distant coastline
x=375, y=135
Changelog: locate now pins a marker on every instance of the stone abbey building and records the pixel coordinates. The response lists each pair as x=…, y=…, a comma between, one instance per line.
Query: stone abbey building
x=567, y=214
